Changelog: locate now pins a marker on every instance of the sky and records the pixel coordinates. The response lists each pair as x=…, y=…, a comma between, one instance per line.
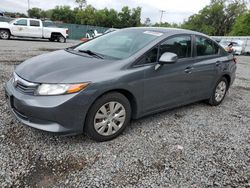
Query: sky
x=176, y=10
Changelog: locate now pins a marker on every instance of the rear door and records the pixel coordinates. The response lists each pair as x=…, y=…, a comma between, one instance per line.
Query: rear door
x=35, y=28
x=203, y=74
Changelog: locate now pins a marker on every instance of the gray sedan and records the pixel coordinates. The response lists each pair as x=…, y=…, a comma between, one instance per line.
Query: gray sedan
x=99, y=86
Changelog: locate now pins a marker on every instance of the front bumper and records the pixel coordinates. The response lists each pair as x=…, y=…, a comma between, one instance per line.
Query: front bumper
x=63, y=114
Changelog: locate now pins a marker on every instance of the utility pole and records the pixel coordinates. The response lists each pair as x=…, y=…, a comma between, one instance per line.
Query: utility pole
x=162, y=12
x=28, y=4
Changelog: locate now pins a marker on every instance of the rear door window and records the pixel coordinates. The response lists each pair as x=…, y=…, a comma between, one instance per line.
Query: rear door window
x=205, y=47
x=34, y=23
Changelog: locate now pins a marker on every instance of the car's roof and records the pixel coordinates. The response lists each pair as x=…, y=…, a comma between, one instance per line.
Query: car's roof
x=28, y=18
x=168, y=30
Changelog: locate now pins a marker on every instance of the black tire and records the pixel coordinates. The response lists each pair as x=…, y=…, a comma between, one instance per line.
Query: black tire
x=89, y=123
x=61, y=39
x=51, y=39
x=4, y=34
x=212, y=101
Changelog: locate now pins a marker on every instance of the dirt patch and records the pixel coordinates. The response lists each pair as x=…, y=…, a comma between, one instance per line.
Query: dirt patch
x=11, y=62
x=243, y=79
x=48, y=49
x=46, y=173
x=242, y=88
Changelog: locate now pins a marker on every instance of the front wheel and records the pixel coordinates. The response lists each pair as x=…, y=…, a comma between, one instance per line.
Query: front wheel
x=4, y=34
x=219, y=92
x=108, y=117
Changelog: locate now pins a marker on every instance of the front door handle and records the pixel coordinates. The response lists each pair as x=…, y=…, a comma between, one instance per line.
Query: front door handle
x=188, y=70
x=217, y=63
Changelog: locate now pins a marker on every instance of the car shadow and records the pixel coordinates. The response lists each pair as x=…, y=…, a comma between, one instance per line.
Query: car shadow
x=177, y=112
x=31, y=40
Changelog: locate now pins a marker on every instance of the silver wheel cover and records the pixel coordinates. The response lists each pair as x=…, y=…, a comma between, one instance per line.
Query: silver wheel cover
x=109, y=118
x=4, y=34
x=220, y=91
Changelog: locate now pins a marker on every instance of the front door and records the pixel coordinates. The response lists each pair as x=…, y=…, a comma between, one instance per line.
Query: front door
x=20, y=28
x=168, y=86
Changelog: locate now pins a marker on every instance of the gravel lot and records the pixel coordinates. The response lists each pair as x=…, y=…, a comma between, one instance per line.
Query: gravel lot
x=192, y=146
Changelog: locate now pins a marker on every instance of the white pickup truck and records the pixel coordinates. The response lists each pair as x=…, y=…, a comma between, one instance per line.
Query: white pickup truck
x=31, y=28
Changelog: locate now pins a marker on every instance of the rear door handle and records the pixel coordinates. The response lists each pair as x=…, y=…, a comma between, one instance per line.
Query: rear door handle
x=188, y=70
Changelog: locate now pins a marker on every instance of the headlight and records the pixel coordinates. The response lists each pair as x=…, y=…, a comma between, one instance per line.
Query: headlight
x=59, y=89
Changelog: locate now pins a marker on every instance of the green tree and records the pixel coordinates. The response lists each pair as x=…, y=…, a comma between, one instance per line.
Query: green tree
x=216, y=18
x=165, y=24
x=135, y=18
x=112, y=19
x=129, y=18
x=15, y=14
x=81, y=3
x=124, y=17
x=35, y=13
x=147, y=22
x=90, y=16
x=242, y=25
x=64, y=14
x=86, y=16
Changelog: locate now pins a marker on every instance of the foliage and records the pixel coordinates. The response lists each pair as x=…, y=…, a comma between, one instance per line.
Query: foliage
x=166, y=24
x=220, y=17
x=147, y=22
x=242, y=25
x=15, y=15
x=35, y=13
x=216, y=18
x=63, y=13
x=81, y=3
x=90, y=16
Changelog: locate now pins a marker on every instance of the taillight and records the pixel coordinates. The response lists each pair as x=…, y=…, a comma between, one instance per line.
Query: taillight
x=235, y=60
x=67, y=31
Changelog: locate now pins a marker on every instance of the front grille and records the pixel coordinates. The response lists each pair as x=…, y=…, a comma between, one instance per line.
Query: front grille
x=19, y=114
x=24, y=86
x=29, y=90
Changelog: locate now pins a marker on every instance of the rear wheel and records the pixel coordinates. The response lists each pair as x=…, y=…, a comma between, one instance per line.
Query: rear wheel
x=4, y=34
x=61, y=39
x=219, y=92
x=108, y=117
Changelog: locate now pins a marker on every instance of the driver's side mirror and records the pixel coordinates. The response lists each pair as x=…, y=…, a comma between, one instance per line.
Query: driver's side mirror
x=168, y=58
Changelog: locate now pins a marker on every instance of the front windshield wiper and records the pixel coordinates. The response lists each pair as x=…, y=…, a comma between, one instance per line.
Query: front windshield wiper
x=89, y=52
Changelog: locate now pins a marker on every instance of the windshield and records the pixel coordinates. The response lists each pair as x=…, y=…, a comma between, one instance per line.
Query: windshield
x=12, y=21
x=120, y=44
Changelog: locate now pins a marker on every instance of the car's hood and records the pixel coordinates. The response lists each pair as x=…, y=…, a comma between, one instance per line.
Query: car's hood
x=63, y=67
x=4, y=24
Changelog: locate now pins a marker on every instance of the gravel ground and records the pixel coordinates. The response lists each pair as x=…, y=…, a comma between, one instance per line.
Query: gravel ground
x=192, y=146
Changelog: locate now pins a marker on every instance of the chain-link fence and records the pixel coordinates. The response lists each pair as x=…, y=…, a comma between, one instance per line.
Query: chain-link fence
x=79, y=31
x=243, y=41
x=76, y=31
